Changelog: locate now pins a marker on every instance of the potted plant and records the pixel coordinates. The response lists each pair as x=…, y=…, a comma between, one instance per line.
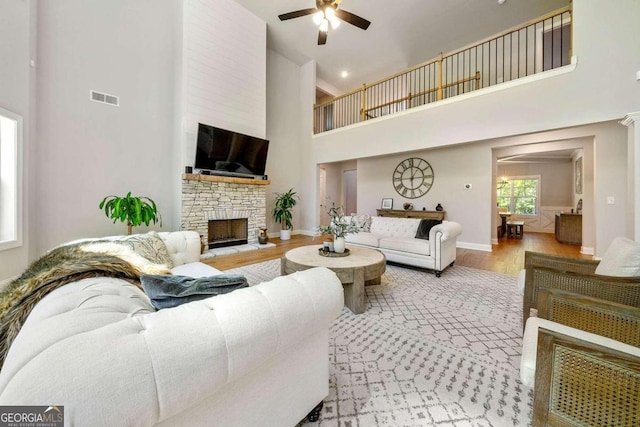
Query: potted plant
x=284, y=202
x=338, y=226
x=131, y=209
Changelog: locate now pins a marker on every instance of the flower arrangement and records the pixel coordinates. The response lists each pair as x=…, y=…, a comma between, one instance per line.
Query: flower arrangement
x=339, y=226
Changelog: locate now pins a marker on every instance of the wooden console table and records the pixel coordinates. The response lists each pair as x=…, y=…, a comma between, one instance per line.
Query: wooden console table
x=411, y=214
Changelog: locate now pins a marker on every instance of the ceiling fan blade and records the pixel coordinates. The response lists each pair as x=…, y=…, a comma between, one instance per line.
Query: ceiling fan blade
x=322, y=37
x=297, y=14
x=352, y=19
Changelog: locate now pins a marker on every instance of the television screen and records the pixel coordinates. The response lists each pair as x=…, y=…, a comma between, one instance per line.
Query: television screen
x=230, y=153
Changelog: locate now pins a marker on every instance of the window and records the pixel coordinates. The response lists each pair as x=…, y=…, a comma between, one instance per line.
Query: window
x=10, y=184
x=519, y=195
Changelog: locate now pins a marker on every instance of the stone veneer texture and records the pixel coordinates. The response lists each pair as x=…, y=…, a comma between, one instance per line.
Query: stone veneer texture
x=204, y=200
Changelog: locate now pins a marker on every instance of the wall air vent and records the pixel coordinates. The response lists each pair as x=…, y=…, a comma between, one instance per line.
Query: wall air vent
x=104, y=98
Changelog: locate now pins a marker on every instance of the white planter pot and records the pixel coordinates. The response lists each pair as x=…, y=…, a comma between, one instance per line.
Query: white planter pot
x=338, y=245
x=285, y=234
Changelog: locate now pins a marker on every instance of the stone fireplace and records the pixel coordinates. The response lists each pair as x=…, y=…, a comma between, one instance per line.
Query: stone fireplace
x=224, y=210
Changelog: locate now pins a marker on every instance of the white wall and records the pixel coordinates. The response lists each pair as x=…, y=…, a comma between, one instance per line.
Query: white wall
x=473, y=164
x=88, y=150
x=633, y=175
x=17, y=94
x=453, y=168
x=224, y=70
x=283, y=133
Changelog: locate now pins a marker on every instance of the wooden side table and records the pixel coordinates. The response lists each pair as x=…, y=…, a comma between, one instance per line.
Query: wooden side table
x=361, y=267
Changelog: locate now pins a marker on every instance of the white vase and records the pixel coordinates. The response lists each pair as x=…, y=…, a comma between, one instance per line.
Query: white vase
x=338, y=245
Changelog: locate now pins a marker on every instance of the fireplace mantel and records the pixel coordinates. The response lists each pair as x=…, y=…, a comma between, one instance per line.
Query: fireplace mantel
x=229, y=179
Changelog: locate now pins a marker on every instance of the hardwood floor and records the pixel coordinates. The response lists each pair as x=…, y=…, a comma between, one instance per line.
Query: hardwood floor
x=507, y=256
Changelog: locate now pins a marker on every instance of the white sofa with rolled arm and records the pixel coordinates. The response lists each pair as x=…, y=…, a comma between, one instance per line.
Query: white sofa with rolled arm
x=255, y=356
x=396, y=238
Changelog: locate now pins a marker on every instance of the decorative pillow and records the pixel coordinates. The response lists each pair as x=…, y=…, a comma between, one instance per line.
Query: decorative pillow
x=622, y=259
x=425, y=227
x=363, y=221
x=150, y=245
x=166, y=291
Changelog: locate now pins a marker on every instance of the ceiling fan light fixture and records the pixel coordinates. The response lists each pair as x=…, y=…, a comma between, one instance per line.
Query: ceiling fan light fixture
x=318, y=17
x=324, y=26
x=329, y=13
x=335, y=23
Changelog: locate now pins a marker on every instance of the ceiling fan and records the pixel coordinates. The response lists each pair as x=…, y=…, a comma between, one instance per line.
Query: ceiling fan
x=325, y=12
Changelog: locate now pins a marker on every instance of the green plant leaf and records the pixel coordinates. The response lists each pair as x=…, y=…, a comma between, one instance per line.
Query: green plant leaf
x=130, y=209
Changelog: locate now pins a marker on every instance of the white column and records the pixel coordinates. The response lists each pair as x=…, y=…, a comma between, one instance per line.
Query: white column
x=632, y=121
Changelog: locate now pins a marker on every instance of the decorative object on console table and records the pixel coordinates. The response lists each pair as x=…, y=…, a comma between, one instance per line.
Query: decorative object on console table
x=423, y=214
x=439, y=208
x=387, y=203
x=133, y=210
x=284, y=203
x=407, y=206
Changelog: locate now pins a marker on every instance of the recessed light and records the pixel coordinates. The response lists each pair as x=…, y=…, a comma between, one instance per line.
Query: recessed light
x=501, y=1
x=344, y=74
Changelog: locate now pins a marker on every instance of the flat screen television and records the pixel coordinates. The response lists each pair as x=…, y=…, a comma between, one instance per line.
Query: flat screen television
x=224, y=152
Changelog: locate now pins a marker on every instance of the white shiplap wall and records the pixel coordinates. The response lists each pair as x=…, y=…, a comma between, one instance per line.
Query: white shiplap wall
x=224, y=70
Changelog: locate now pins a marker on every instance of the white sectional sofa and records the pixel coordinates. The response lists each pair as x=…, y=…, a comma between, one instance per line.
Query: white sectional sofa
x=255, y=356
x=396, y=238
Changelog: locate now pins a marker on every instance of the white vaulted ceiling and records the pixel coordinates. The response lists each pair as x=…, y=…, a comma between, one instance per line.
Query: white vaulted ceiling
x=403, y=33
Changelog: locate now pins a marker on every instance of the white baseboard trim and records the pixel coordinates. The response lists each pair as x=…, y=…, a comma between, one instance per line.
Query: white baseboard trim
x=587, y=250
x=474, y=246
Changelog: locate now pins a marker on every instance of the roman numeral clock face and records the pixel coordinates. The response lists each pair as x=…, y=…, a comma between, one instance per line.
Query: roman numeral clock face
x=413, y=178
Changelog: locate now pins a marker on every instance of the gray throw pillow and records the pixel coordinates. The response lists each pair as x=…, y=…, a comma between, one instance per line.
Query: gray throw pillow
x=167, y=291
x=425, y=227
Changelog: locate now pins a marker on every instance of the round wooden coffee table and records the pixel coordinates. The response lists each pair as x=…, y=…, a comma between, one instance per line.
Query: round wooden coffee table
x=361, y=267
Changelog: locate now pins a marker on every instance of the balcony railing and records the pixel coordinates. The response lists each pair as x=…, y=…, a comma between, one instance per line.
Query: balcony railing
x=539, y=45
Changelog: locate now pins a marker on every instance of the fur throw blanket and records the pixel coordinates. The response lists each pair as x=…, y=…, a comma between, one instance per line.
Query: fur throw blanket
x=63, y=265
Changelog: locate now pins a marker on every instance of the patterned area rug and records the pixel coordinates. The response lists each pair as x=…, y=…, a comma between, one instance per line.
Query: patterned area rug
x=427, y=352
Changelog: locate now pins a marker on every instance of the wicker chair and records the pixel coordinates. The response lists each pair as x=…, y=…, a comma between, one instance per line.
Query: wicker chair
x=573, y=275
x=589, y=372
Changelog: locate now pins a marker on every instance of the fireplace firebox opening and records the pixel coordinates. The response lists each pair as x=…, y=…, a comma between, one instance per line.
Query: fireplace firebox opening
x=227, y=232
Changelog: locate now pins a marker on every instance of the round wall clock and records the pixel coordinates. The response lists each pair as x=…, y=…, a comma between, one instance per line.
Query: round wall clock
x=413, y=177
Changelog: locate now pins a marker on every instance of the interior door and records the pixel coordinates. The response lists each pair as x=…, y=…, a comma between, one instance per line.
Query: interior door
x=350, y=180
